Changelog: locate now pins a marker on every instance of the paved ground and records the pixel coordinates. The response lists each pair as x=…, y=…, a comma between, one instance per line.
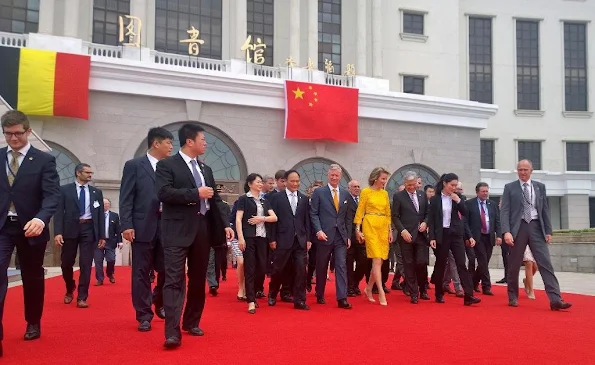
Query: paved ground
x=570, y=282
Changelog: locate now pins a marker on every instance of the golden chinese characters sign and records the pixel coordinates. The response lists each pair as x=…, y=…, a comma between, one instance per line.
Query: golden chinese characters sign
x=129, y=35
x=193, y=41
x=257, y=50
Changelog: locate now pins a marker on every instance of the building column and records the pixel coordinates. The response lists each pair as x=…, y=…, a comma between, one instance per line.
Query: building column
x=138, y=8
x=294, y=30
x=240, y=28
x=377, y=38
x=71, y=18
x=313, y=31
x=575, y=211
x=46, y=16
x=362, y=52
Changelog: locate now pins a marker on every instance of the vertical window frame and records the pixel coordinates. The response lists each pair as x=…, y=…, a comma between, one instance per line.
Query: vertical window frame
x=480, y=60
x=330, y=41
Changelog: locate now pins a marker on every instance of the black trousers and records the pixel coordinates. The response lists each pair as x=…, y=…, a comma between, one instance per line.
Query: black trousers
x=294, y=257
x=32, y=272
x=505, y=253
x=147, y=256
x=86, y=245
x=416, y=256
x=311, y=262
x=356, y=254
x=223, y=261
x=174, y=288
x=483, y=252
x=454, y=243
x=471, y=258
x=255, y=256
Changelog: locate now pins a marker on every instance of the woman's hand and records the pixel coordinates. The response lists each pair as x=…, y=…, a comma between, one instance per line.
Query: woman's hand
x=433, y=243
x=256, y=219
x=242, y=244
x=359, y=236
x=390, y=237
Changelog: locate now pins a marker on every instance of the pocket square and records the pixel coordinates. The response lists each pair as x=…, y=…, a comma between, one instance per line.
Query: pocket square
x=345, y=202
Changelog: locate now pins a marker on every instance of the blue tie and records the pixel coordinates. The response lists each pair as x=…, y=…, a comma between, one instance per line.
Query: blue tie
x=82, y=201
x=198, y=181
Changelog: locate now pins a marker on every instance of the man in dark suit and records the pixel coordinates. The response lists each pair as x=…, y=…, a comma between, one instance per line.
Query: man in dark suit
x=356, y=254
x=483, y=221
x=328, y=212
x=290, y=239
x=525, y=220
x=409, y=215
x=112, y=241
x=140, y=222
x=29, y=194
x=193, y=221
x=79, y=224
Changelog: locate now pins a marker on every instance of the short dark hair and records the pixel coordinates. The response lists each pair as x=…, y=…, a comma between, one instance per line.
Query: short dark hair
x=428, y=187
x=289, y=172
x=280, y=174
x=189, y=131
x=158, y=134
x=15, y=117
x=80, y=167
x=480, y=185
x=250, y=179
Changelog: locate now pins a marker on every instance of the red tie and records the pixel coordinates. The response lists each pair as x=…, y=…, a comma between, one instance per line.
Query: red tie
x=484, y=225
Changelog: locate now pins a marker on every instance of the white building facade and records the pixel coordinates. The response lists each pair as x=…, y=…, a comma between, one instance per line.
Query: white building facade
x=531, y=58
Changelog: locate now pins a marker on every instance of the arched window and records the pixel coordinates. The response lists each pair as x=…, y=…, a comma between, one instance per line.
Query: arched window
x=315, y=170
x=223, y=156
x=65, y=163
x=428, y=176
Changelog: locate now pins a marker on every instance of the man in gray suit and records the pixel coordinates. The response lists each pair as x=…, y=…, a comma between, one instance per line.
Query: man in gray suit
x=328, y=210
x=525, y=220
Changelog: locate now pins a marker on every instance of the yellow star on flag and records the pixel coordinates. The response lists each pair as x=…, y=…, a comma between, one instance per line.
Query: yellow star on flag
x=299, y=93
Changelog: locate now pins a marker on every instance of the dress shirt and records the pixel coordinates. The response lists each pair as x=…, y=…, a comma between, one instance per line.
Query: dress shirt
x=534, y=214
x=87, y=214
x=23, y=152
x=260, y=228
x=446, y=210
x=485, y=210
x=153, y=161
x=188, y=160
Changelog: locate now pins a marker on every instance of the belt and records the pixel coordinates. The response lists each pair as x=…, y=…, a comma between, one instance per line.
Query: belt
x=378, y=214
x=84, y=221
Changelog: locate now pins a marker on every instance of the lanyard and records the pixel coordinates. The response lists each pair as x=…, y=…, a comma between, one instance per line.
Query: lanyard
x=9, y=169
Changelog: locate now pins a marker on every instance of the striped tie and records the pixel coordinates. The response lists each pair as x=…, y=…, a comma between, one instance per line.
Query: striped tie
x=14, y=169
x=526, y=203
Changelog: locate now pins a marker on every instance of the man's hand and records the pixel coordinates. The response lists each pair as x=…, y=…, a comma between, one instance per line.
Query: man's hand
x=406, y=236
x=59, y=240
x=508, y=239
x=390, y=237
x=422, y=227
x=229, y=233
x=433, y=244
x=321, y=236
x=128, y=235
x=273, y=245
x=101, y=244
x=472, y=242
x=548, y=238
x=499, y=241
x=455, y=198
x=348, y=242
x=120, y=245
x=205, y=192
x=308, y=245
x=33, y=228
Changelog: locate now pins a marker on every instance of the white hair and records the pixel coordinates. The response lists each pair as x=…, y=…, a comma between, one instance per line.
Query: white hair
x=410, y=175
x=335, y=166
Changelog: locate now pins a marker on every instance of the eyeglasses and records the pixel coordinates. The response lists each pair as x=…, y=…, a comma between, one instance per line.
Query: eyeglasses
x=15, y=134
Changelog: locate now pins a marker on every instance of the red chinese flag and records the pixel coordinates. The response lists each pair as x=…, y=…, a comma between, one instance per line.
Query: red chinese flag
x=320, y=112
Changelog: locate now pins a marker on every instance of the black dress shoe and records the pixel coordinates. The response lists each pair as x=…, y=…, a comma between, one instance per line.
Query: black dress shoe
x=112, y=280
x=286, y=299
x=350, y=293
x=501, y=281
x=374, y=290
x=260, y=294
x=144, y=326
x=213, y=291
x=476, y=289
x=439, y=299
x=272, y=301
x=414, y=300
x=160, y=312
x=469, y=300
x=560, y=306
x=99, y=283
x=1, y=350
x=242, y=299
x=172, y=342
x=320, y=300
x=488, y=292
x=343, y=304
x=357, y=291
x=386, y=290
x=309, y=287
x=301, y=306
x=424, y=296
x=194, y=331
x=33, y=332
x=396, y=286
x=513, y=303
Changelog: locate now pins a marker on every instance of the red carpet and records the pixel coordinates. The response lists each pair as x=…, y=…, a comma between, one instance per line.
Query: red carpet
x=491, y=333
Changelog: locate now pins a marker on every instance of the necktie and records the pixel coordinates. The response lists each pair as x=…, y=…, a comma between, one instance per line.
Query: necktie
x=484, y=224
x=357, y=199
x=198, y=181
x=106, y=224
x=526, y=203
x=293, y=202
x=82, y=201
x=415, y=204
x=14, y=168
x=336, y=199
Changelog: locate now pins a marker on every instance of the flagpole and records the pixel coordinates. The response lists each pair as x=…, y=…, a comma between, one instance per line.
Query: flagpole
x=32, y=131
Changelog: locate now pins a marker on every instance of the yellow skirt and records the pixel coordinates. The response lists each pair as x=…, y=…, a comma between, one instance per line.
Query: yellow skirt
x=375, y=230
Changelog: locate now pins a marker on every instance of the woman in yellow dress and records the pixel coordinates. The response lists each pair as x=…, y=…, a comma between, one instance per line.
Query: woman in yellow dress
x=373, y=216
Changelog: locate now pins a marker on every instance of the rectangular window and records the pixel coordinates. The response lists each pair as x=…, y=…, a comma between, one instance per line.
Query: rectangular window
x=480, y=60
x=575, y=67
x=261, y=24
x=530, y=150
x=527, y=64
x=413, y=23
x=105, y=20
x=413, y=85
x=487, y=152
x=578, y=156
x=19, y=16
x=329, y=33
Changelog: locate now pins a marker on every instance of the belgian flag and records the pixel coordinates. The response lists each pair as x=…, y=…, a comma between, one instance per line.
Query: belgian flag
x=44, y=82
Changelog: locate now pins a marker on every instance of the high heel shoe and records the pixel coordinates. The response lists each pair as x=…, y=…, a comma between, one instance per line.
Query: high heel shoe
x=382, y=300
x=368, y=293
x=252, y=308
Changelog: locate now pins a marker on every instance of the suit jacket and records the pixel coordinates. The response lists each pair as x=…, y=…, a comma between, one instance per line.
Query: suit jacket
x=113, y=231
x=66, y=220
x=289, y=226
x=473, y=220
x=325, y=217
x=139, y=206
x=351, y=211
x=35, y=191
x=511, y=213
x=248, y=206
x=178, y=192
x=405, y=216
x=435, y=215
